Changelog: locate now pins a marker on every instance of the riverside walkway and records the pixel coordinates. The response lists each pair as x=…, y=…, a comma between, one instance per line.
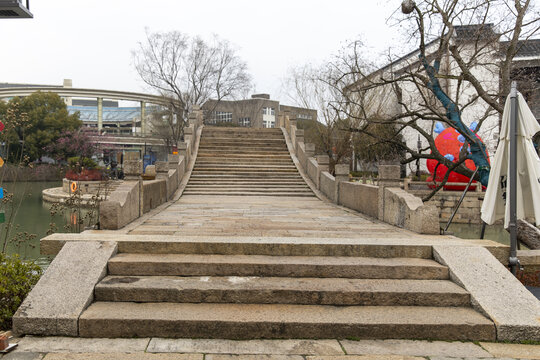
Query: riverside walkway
x=249, y=252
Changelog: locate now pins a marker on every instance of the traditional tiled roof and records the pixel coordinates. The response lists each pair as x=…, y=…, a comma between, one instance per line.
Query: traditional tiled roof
x=526, y=48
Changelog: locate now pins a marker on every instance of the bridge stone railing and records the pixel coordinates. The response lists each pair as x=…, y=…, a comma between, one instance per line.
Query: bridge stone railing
x=385, y=201
x=135, y=196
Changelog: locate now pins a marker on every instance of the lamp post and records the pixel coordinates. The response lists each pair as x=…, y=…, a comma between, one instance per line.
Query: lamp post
x=14, y=9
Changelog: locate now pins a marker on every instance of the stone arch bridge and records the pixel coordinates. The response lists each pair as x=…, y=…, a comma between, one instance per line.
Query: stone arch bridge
x=245, y=235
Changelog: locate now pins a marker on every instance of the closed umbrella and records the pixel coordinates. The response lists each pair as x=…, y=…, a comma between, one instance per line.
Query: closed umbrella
x=495, y=206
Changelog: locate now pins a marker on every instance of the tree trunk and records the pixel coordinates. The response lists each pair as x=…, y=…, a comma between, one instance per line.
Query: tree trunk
x=528, y=234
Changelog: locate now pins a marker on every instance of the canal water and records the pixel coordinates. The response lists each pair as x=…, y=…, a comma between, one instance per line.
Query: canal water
x=30, y=218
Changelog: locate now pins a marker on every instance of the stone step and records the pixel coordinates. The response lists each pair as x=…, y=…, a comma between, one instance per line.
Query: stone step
x=246, y=156
x=239, y=182
x=249, y=189
x=252, y=133
x=262, y=187
x=282, y=266
x=243, y=131
x=246, y=193
x=259, y=173
x=243, y=166
x=218, y=152
x=246, y=169
x=244, y=161
x=376, y=245
x=243, y=146
x=252, y=321
x=273, y=290
x=243, y=142
x=210, y=128
x=242, y=136
x=251, y=177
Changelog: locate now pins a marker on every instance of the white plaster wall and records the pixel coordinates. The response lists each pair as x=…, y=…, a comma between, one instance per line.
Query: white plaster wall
x=486, y=72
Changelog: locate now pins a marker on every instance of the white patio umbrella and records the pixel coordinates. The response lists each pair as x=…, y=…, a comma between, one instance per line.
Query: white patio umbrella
x=495, y=206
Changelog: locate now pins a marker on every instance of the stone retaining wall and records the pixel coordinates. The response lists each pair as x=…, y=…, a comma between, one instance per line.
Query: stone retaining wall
x=445, y=201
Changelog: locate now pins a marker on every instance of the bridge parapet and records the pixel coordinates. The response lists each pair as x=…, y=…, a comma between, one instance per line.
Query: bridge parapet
x=136, y=196
x=384, y=201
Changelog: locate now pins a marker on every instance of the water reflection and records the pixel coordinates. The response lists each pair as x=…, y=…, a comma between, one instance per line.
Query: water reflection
x=30, y=215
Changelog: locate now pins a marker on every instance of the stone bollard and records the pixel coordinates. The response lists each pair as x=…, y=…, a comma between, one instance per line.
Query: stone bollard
x=188, y=134
x=341, y=175
x=132, y=169
x=173, y=159
x=299, y=135
x=323, y=161
x=292, y=122
x=132, y=172
x=389, y=176
x=183, y=150
x=162, y=168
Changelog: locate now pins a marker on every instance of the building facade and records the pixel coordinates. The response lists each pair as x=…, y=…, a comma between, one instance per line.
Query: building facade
x=394, y=90
x=258, y=112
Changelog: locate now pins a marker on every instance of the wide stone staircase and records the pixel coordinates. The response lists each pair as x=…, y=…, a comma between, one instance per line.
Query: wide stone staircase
x=245, y=161
x=246, y=288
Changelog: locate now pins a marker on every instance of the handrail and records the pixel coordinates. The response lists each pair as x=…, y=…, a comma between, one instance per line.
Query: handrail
x=461, y=200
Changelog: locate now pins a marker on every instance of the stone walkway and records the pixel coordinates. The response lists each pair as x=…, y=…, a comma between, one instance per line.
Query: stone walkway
x=56, y=348
x=262, y=216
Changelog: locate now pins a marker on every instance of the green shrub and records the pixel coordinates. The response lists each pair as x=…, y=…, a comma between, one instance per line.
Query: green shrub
x=77, y=163
x=17, y=277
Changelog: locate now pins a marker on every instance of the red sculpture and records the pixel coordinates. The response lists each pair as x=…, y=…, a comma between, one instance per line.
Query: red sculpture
x=449, y=143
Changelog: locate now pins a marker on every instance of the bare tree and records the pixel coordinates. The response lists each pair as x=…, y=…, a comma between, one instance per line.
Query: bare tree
x=189, y=71
x=167, y=125
x=315, y=88
x=459, y=75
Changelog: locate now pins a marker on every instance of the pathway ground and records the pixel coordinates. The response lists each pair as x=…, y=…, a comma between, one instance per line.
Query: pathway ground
x=63, y=348
x=262, y=216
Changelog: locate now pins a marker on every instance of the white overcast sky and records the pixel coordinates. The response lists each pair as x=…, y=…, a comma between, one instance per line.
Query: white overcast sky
x=90, y=41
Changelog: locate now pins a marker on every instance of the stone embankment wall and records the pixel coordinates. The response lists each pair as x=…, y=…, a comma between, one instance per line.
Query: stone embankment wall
x=386, y=201
x=134, y=196
x=446, y=201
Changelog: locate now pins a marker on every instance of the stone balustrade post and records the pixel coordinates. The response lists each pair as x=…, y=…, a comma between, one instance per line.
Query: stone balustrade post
x=324, y=162
x=389, y=176
x=299, y=133
x=287, y=123
x=183, y=150
x=173, y=159
x=132, y=169
x=188, y=134
x=292, y=122
x=341, y=172
x=310, y=149
x=132, y=172
x=197, y=116
x=162, y=169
